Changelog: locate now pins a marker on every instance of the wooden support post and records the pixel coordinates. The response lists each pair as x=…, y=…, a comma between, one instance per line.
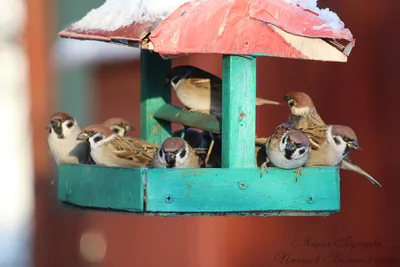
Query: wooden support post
x=153, y=95
x=238, y=111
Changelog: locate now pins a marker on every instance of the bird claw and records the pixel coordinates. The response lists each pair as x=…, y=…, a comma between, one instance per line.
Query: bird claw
x=263, y=167
x=298, y=172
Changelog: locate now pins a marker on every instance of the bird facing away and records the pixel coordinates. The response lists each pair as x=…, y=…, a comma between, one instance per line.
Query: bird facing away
x=199, y=90
x=109, y=149
x=303, y=112
x=175, y=153
x=119, y=126
x=63, y=146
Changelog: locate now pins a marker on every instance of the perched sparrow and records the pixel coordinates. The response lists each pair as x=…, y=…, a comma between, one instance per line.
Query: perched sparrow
x=109, y=149
x=330, y=144
x=288, y=148
x=175, y=153
x=118, y=126
x=199, y=90
x=303, y=112
x=62, y=142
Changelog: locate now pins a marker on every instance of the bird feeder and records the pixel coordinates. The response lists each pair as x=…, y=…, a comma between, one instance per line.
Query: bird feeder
x=239, y=30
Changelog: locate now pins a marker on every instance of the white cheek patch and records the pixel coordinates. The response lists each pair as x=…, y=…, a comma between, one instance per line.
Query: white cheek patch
x=95, y=145
x=67, y=132
x=181, y=161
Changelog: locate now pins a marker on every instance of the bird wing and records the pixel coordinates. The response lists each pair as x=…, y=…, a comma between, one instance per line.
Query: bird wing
x=316, y=135
x=133, y=149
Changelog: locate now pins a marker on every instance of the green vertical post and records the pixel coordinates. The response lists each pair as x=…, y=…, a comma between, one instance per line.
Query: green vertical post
x=153, y=94
x=238, y=111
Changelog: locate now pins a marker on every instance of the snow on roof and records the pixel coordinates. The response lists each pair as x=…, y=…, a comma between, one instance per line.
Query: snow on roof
x=114, y=14
x=330, y=18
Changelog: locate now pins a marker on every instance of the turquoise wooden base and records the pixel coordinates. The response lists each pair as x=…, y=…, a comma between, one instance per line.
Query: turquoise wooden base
x=169, y=192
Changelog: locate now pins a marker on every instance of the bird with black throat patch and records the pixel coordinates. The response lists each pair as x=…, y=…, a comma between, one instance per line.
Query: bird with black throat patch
x=287, y=148
x=110, y=149
x=175, y=153
x=62, y=132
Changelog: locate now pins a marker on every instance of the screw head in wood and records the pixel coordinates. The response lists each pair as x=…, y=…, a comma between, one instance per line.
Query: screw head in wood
x=242, y=185
x=169, y=199
x=310, y=199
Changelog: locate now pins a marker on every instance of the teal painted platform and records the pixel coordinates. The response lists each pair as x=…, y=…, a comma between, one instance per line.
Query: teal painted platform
x=201, y=191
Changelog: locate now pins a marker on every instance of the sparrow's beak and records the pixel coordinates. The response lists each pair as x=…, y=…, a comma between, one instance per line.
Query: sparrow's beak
x=353, y=145
x=82, y=136
x=129, y=128
x=170, y=158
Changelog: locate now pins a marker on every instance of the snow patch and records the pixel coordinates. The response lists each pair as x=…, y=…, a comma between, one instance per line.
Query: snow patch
x=114, y=14
x=330, y=18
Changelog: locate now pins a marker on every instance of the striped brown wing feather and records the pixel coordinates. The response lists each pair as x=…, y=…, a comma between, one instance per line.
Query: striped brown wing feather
x=316, y=135
x=133, y=149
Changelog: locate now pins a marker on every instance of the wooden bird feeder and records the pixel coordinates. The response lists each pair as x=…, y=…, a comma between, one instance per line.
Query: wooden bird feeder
x=240, y=30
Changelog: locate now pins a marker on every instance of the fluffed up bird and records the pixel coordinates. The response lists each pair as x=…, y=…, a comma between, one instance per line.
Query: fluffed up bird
x=303, y=112
x=109, y=149
x=287, y=148
x=119, y=126
x=63, y=129
x=199, y=90
x=175, y=153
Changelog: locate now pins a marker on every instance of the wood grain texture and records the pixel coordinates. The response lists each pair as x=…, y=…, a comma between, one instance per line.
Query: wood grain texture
x=92, y=186
x=193, y=119
x=199, y=192
x=238, y=111
x=153, y=93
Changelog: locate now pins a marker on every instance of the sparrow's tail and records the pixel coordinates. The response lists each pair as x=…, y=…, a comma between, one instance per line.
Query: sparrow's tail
x=261, y=101
x=347, y=165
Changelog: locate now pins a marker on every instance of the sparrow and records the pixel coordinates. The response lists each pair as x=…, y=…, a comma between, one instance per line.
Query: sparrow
x=330, y=144
x=305, y=115
x=110, y=149
x=63, y=146
x=119, y=126
x=175, y=153
x=287, y=148
x=199, y=90
x=303, y=112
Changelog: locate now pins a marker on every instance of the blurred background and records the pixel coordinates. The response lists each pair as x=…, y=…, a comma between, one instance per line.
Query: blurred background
x=41, y=73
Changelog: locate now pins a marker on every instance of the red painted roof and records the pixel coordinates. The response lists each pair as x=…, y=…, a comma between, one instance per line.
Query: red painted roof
x=268, y=27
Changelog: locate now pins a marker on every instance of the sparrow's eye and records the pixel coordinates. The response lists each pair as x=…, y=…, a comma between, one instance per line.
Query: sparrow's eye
x=98, y=138
x=116, y=130
x=160, y=153
x=70, y=124
x=346, y=139
x=182, y=154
